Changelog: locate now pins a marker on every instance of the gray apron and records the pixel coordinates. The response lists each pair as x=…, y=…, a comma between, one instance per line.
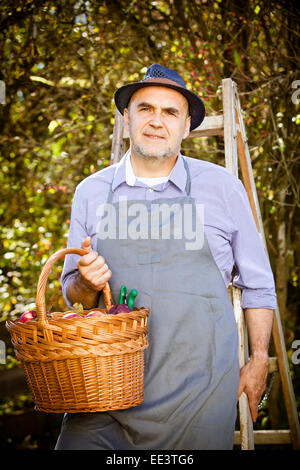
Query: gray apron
x=191, y=365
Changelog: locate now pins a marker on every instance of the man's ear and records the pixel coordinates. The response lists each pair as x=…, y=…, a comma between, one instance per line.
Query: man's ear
x=187, y=127
x=126, y=119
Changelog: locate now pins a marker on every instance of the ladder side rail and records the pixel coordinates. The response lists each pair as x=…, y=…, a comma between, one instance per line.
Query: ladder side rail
x=118, y=143
x=230, y=147
x=231, y=163
x=246, y=166
x=246, y=424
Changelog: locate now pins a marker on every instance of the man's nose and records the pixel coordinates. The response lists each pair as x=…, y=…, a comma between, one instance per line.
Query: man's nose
x=156, y=119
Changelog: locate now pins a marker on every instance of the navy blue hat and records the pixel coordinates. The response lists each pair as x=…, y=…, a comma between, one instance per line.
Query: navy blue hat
x=157, y=75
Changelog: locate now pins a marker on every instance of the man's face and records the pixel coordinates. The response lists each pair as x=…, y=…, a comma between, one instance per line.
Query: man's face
x=157, y=120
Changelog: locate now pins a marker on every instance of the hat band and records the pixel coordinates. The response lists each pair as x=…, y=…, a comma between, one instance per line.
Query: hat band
x=162, y=80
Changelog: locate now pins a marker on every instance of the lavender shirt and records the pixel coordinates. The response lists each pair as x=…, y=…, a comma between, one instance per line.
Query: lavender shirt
x=228, y=221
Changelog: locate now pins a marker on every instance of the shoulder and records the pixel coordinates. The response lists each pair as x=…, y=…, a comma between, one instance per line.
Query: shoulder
x=96, y=183
x=214, y=175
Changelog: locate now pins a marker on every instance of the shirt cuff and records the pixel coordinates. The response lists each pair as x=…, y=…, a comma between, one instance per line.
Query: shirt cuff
x=258, y=298
x=64, y=291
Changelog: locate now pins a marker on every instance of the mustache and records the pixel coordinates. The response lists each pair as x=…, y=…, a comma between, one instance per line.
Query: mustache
x=152, y=134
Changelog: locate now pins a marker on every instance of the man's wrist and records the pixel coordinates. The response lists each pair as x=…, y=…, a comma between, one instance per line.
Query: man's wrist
x=80, y=282
x=79, y=292
x=260, y=355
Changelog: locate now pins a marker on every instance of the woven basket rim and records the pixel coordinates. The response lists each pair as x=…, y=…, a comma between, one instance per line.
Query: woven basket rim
x=86, y=331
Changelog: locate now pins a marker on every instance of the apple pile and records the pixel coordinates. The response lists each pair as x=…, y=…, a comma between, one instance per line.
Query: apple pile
x=123, y=306
x=79, y=313
x=93, y=313
x=115, y=309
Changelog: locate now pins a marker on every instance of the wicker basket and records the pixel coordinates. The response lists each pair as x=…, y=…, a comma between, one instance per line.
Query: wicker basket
x=82, y=364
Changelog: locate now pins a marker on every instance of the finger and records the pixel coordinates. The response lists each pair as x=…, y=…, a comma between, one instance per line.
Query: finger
x=98, y=266
x=253, y=400
x=241, y=386
x=104, y=279
x=86, y=244
x=97, y=282
x=93, y=271
x=253, y=410
x=88, y=259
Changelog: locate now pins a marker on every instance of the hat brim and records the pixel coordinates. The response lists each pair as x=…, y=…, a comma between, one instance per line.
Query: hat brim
x=196, y=106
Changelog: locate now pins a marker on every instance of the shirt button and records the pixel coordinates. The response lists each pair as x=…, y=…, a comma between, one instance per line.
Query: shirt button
x=150, y=190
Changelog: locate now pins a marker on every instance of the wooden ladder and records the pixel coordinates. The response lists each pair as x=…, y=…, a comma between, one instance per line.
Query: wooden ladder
x=230, y=125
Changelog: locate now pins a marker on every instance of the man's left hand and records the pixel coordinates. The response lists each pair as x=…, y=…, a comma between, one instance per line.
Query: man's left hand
x=253, y=380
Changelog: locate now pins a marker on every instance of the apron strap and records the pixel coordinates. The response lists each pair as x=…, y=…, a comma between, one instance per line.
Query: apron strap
x=110, y=195
x=187, y=186
x=188, y=178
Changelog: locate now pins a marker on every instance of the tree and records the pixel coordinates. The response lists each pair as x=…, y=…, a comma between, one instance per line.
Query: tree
x=61, y=63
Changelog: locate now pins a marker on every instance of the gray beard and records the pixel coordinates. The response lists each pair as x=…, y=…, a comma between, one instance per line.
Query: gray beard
x=148, y=156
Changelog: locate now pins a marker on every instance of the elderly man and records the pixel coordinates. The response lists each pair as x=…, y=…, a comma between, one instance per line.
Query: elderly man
x=181, y=264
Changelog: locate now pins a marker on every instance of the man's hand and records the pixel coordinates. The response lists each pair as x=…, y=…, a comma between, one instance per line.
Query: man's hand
x=253, y=376
x=93, y=273
x=253, y=380
x=92, y=268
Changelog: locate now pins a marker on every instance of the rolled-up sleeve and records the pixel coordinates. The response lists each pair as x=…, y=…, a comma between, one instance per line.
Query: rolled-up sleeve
x=253, y=274
x=77, y=234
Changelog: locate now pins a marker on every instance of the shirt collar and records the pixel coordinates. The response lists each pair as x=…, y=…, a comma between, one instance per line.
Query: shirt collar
x=124, y=173
x=120, y=172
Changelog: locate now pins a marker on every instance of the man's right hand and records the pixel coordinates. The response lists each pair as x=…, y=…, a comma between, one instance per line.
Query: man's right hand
x=93, y=269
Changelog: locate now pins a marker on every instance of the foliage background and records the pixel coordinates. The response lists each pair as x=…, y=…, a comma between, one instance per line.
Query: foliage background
x=61, y=62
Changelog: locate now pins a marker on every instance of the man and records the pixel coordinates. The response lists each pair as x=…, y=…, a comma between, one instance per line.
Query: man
x=192, y=377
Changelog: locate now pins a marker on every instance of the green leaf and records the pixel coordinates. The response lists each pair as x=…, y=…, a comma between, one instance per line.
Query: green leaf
x=237, y=58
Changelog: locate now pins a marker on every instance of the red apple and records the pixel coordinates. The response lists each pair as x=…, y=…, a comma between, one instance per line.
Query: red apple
x=28, y=316
x=120, y=308
x=71, y=315
x=94, y=313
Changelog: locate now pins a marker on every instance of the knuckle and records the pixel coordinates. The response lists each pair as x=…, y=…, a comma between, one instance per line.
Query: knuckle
x=87, y=259
x=104, y=278
x=94, y=255
x=88, y=277
x=81, y=270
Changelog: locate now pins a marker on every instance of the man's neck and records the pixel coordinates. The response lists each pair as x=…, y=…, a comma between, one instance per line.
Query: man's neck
x=152, y=168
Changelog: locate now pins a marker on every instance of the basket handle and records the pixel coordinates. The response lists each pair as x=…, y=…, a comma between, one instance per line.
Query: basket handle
x=42, y=282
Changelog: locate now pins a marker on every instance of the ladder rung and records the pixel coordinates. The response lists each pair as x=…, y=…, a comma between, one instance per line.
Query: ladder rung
x=211, y=125
x=280, y=436
x=273, y=364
